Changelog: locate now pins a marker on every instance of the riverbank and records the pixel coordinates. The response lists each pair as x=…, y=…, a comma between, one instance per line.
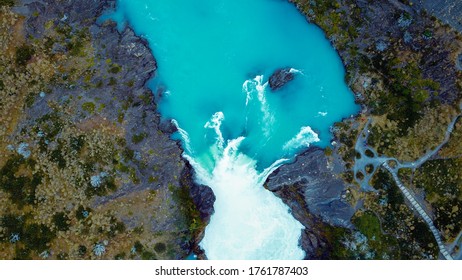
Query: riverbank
x=82, y=139
x=401, y=65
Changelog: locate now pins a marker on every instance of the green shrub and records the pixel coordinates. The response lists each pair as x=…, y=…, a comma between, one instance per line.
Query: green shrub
x=116, y=227
x=57, y=157
x=37, y=237
x=112, y=81
x=146, y=255
x=115, y=69
x=160, y=247
x=82, y=213
x=61, y=221
x=190, y=212
x=108, y=185
x=11, y=225
x=89, y=107
x=23, y=54
x=328, y=151
x=82, y=251
x=21, y=188
x=137, y=138
x=369, y=225
x=120, y=256
x=62, y=256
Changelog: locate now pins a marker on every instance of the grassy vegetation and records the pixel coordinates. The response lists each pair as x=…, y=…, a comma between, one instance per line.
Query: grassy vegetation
x=336, y=237
x=369, y=225
x=49, y=216
x=21, y=188
x=30, y=237
x=7, y=3
x=442, y=183
x=383, y=246
x=409, y=90
x=410, y=235
x=188, y=208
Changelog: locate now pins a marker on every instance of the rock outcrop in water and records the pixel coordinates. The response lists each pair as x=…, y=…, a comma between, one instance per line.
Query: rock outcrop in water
x=317, y=179
x=315, y=195
x=280, y=78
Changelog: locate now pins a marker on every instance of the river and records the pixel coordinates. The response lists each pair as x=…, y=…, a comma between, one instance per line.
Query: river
x=214, y=61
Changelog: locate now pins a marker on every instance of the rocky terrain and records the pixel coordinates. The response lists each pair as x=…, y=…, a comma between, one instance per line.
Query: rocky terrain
x=317, y=197
x=448, y=11
x=85, y=169
x=402, y=64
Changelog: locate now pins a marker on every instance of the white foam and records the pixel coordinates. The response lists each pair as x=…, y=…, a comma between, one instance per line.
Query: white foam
x=249, y=221
x=296, y=71
x=247, y=91
x=304, y=138
x=256, y=86
x=215, y=124
x=322, y=114
x=268, y=118
x=185, y=136
x=264, y=175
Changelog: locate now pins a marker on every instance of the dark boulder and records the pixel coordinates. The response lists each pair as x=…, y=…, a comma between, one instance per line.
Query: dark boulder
x=167, y=126
x=280, y=78
x=204, y=198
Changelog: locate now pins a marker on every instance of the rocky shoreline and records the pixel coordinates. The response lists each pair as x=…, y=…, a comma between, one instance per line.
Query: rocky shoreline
x=392, y=28
x=92, y=128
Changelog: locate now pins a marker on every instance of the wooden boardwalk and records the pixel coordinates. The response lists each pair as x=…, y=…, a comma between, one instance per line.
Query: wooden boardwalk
x=421, y=212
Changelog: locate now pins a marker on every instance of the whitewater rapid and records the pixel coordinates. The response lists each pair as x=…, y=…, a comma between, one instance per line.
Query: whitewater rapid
x=214, y=59
x=249, y=222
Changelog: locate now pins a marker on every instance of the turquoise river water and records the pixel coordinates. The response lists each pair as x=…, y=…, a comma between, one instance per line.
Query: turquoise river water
x=214, y=61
